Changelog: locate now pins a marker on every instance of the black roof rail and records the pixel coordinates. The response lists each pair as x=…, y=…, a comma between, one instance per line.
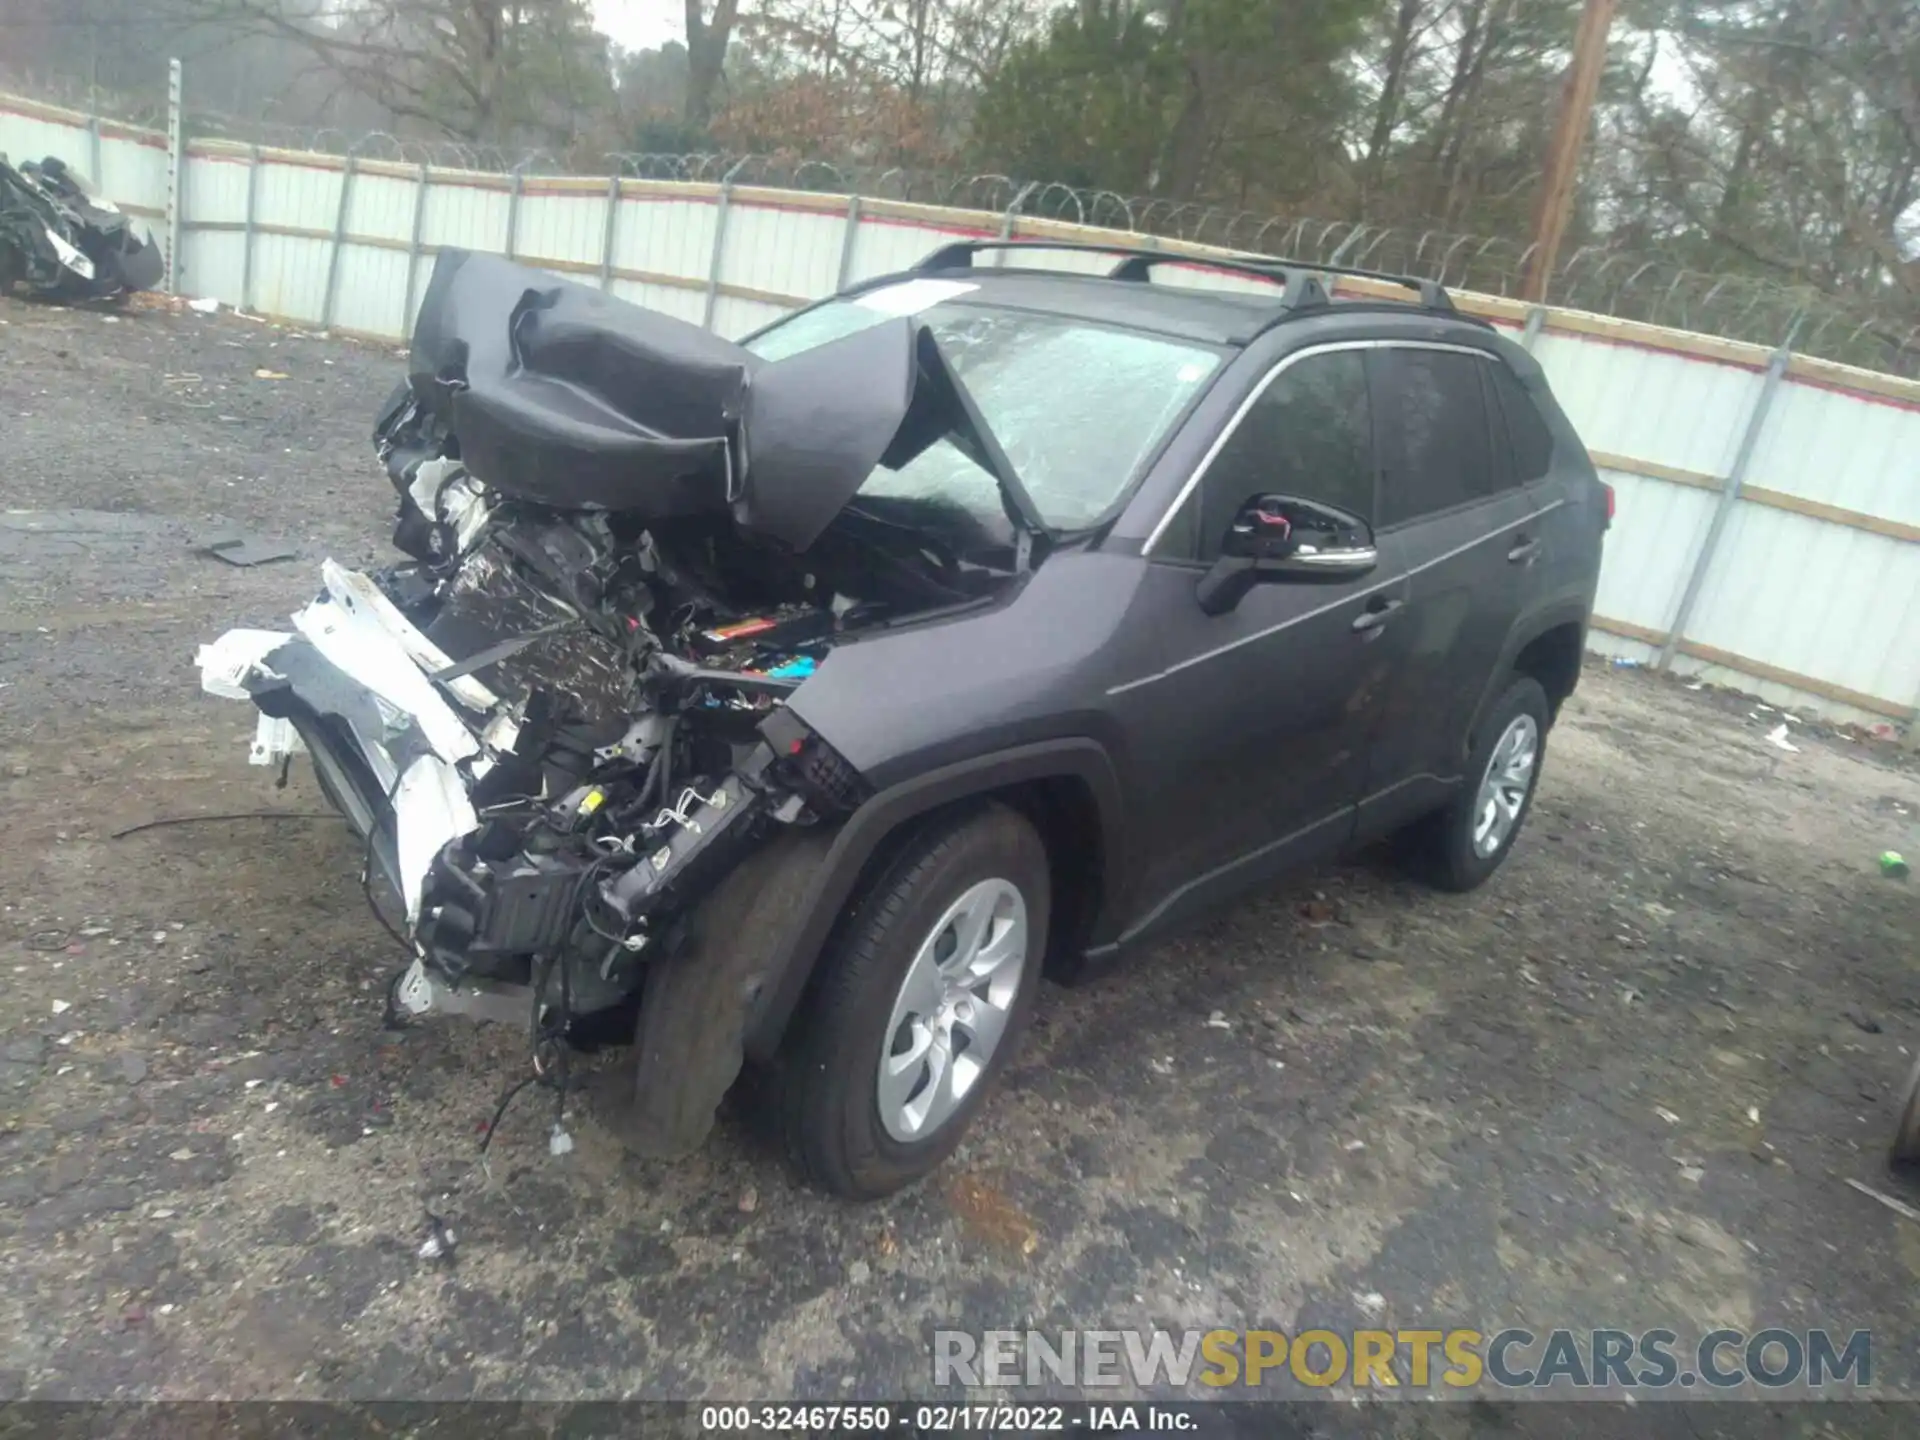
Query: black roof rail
x=1432, y=293
x=1303, y=288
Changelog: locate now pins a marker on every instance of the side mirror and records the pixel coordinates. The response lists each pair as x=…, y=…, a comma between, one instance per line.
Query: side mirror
x=1283, y=538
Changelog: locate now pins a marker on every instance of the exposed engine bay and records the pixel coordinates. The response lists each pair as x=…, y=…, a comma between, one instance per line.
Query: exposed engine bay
x=560, y=722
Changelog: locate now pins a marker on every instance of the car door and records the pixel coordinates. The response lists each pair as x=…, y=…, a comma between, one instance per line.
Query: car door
x=1450, y=504
x=1522, y=438
x=1249, y=728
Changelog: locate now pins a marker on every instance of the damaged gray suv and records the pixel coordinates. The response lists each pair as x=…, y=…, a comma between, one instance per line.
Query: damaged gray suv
x=796, y=703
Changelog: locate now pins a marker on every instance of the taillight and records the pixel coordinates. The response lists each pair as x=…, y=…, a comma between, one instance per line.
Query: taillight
x=1608, y=490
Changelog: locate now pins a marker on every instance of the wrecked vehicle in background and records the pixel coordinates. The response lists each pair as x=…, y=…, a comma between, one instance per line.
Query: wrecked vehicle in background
x=61, y=240
x=791, y=701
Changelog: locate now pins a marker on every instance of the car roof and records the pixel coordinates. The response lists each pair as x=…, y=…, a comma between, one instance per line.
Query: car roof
x=1211, y=317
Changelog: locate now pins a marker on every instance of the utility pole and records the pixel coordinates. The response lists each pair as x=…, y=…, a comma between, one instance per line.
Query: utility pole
x=1563, y=151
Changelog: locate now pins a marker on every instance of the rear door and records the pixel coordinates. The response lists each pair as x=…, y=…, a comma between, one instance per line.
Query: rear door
x=1556, y=561
x=1451, y=503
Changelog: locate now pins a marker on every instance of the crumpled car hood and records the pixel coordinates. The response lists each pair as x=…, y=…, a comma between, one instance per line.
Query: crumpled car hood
x=563, y=395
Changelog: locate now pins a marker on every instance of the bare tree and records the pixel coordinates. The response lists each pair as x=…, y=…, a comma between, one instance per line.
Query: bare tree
x=470, y=69
x=1403, y=32
x=1799, y=153
x=708, y=35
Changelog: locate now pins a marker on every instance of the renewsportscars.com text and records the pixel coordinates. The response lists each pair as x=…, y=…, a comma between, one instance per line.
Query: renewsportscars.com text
x=1606, y=1361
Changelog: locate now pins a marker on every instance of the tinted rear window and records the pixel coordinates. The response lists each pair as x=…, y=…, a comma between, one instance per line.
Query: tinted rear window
x=1434, y=449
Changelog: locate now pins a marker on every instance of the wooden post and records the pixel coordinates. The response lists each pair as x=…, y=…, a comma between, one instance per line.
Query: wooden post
x=1563, y=150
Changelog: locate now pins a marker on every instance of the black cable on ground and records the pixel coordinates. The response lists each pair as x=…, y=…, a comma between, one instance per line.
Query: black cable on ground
x=233, y=815
x=500, y=1110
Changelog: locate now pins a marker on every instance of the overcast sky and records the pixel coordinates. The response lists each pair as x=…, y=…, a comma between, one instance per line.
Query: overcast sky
x=640, y=24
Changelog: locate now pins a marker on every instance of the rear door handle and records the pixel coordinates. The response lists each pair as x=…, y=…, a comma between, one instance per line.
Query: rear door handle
x=1524, y=549
x=1375, y=615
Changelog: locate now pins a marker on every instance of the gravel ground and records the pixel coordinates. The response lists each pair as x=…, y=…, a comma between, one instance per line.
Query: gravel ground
x=1623, y=1084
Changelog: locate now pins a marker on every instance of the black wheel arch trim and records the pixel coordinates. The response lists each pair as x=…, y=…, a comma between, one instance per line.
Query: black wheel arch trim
x=792, y=964
x=1527, y=629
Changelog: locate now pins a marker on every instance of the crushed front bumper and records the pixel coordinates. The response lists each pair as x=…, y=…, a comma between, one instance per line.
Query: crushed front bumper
x=352, y=688
x=401, y=748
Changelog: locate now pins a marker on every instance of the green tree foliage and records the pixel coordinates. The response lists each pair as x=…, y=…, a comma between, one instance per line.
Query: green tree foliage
x=1183, y=97
x=1788, y=147
x=1084, y=103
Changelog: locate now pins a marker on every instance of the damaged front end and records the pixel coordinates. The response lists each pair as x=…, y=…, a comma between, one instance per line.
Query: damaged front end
x=560, y=725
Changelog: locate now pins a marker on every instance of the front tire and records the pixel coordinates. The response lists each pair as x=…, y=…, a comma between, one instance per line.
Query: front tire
x=1461, y=845
x=922, y=995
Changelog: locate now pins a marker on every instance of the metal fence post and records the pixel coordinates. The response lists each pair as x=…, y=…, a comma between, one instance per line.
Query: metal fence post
x=176, y=172
x=607, y=235
x=514, y=182
x=1729, y=493
x=847, y=242
x=339, y=240
x=413, y=249
x=1536, y=322
x=96, y=172
x=1008, y=217
x=719, y=247
x=246, y=235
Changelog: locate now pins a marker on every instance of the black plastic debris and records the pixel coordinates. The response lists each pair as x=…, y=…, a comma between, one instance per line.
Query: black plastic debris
x=238, y=548
x=62, y=240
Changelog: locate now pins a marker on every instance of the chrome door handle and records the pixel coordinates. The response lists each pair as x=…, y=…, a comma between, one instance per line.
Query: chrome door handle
x=1523, y=551
x=1375, y=615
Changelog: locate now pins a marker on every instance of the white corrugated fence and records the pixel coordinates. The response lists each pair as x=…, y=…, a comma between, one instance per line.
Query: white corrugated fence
x=1768, y=531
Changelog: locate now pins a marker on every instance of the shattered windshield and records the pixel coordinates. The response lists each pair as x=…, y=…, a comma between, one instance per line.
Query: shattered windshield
x=1076, y=405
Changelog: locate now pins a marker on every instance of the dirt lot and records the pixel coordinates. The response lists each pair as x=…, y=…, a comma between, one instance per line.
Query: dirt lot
x=1622, y=1085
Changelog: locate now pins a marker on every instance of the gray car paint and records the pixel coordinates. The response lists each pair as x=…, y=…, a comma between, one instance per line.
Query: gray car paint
x=1238, y=745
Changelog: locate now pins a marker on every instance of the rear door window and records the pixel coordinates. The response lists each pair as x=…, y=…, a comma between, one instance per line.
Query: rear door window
x=1435, y=448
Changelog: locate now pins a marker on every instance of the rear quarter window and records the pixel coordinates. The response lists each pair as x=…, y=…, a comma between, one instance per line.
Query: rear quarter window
x=1527, y=431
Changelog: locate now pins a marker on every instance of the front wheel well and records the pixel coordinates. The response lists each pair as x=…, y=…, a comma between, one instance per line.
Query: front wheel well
x=1063, y=809
x=1553, y=658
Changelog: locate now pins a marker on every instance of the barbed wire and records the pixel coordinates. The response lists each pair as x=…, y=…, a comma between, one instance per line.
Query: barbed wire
x=1603, y=276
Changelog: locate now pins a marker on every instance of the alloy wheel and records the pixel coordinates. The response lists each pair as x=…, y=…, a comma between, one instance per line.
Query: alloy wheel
x=952, y=1009
x=1504, y=787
